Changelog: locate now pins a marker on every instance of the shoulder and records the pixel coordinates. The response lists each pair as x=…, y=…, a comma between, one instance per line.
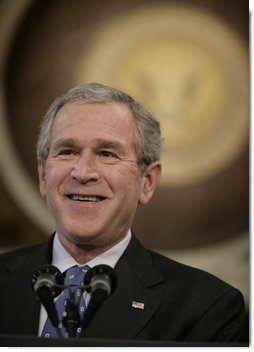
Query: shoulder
x=23, y=252
x=182, y=274
x=212, y=309
x=206, y=294
x=30, y=255
x=176, y=277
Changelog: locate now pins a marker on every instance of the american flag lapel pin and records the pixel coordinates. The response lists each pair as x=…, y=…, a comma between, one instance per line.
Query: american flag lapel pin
x=138, y=305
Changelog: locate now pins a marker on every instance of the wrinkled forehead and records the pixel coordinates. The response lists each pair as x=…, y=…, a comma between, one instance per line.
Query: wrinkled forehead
x=110, y=121
x=119, y=109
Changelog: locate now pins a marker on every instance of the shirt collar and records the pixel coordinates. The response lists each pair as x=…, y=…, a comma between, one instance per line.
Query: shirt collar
x=63, y=260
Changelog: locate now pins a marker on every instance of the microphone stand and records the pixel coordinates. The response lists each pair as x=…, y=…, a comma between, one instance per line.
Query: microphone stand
x=71, y=319
x=48, y=283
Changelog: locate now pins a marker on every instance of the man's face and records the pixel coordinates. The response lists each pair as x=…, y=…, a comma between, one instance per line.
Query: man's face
x=91, y=179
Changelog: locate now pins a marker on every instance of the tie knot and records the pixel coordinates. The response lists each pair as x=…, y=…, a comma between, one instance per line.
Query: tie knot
x=75, y=275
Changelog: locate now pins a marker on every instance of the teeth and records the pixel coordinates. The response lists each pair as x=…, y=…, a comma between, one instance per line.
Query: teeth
x=85, y=198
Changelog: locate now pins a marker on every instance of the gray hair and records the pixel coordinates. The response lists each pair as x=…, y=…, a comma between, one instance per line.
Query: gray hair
x=148, y=136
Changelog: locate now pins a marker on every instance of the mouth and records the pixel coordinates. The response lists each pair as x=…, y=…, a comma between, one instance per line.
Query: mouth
x=85, y=198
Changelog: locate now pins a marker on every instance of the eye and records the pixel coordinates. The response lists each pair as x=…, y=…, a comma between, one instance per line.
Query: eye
x=66, y=152
x=106, y=154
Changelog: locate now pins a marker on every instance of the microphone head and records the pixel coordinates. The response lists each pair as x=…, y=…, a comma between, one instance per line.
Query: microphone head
x=102, y=277
x=50, y=277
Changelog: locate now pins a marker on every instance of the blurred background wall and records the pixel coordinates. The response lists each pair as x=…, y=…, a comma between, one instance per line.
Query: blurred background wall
x=187, y=61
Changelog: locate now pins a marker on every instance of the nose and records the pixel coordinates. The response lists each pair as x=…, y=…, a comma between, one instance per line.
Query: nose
x=84, y=170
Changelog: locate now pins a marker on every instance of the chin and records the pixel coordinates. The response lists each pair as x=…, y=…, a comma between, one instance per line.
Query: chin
x=83, y=237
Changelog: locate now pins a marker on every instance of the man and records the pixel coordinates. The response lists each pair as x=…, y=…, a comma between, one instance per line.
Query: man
x=98, y=158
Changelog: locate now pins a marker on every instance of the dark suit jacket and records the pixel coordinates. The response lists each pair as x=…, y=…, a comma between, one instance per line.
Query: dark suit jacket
x=180, y=303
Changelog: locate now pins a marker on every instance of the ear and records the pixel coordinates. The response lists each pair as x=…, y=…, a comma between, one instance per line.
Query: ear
x=42, y=179
x=150, y=181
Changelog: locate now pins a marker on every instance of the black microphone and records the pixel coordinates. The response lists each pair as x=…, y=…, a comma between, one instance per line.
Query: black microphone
x=46, y=283
x=101, y=281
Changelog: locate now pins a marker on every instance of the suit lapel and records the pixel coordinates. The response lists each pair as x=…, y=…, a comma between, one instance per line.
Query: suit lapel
x=120, y=317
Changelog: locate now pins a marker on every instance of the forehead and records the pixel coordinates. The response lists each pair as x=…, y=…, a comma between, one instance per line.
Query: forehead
x=112, y=120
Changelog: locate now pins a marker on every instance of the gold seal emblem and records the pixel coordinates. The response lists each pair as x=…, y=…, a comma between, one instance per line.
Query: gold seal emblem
x=190, y=69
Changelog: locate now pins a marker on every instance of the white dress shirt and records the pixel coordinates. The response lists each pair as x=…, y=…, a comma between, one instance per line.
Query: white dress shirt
x=63, y=261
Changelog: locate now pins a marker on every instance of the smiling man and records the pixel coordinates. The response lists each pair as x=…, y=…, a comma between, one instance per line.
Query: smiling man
x=98, y=159
x=91, y=178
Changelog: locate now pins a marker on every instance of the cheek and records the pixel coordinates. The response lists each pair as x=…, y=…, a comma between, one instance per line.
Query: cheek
x=53, y=178
x=126, y=181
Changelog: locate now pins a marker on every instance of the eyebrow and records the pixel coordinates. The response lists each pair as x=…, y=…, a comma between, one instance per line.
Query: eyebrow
x=62, y=142
x=101, y=143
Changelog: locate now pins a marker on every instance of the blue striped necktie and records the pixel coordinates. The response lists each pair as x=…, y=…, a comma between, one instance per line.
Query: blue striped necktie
x=74, y=276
